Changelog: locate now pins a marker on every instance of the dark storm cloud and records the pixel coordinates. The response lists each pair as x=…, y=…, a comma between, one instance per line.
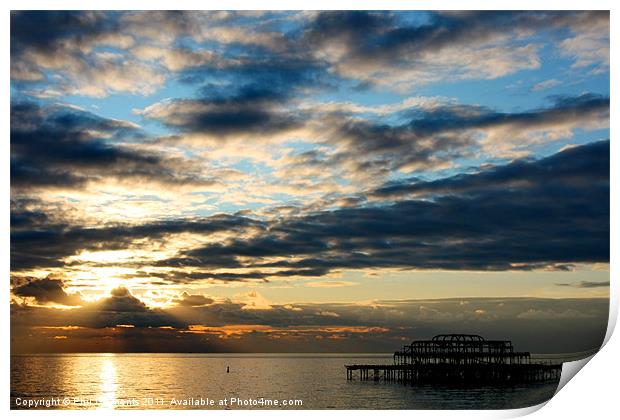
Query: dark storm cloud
x=55, y=146
x=45, y=290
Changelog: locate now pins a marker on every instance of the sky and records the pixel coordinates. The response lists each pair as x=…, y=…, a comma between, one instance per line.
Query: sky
x=308, y=181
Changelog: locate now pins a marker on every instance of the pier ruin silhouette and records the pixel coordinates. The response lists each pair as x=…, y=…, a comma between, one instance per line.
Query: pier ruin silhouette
x=458, y=359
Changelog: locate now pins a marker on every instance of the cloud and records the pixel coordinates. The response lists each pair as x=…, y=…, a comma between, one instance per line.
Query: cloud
x=330, y=284
x=66, y=44
x=525, y=215
x=192, y=300
x=258, y=96
x=122, y=322
x=58, y=147
x=380, y=48
x=120, y=309
x=520, y=216
x=221, y=27
x=546, y=84
x=578, y=166
x=433, y=137
x=48, y=244
x=550, y=314
x=589, y=47
x=97, y=53
x=201, y=276
x=175, y=59
x=121, y=300
x=253, y=301
x=44, y=291
x=585, y=284
x=254, y=101
x=349, y=149
x=253, y=110
x=378, y=326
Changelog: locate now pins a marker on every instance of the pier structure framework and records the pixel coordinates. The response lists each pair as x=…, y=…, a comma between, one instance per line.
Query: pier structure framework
x=458, y=358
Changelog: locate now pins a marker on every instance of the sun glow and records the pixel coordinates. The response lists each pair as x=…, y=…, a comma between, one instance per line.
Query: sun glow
x=116, y=256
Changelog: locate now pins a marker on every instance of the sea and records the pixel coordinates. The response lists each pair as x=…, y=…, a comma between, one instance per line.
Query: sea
x=241, y=381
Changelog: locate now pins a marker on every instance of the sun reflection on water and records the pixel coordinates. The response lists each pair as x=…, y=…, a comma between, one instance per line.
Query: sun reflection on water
x=108, y=383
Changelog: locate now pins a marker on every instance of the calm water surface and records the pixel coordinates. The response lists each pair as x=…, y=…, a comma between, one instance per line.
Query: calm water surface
x=87, y=381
